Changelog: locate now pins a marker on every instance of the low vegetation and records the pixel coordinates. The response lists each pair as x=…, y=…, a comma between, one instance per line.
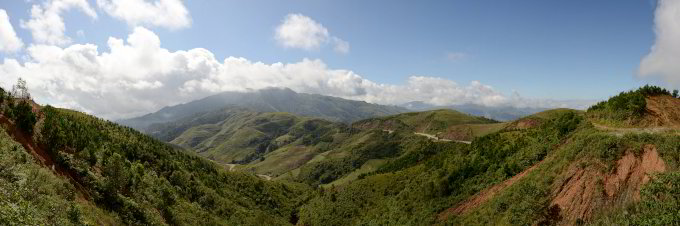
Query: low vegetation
x=626, y=106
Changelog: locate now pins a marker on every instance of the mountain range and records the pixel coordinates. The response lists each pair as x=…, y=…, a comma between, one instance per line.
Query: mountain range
x=270, y=100
x=615, y=163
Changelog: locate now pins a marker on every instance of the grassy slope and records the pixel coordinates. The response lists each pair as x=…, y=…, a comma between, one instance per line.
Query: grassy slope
x=443, y=123
x=242, y=136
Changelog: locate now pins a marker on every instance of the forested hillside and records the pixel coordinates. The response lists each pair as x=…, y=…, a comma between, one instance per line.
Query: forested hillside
x=131, y=178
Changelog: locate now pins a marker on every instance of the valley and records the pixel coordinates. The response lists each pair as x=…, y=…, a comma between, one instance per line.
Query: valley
x=236, y=165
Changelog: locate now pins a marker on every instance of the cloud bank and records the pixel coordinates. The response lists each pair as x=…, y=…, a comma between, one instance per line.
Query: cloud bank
x=137, y=76
x=302, y=32
x=662, y=60
x=9, y=41
x=171, y=14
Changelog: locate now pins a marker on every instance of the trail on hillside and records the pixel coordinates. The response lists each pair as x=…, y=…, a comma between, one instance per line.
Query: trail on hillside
x=619, y=131
x=435, y=138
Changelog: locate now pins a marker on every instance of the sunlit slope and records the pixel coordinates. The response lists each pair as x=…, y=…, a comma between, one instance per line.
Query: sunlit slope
x=443, y=123
x=131, y=178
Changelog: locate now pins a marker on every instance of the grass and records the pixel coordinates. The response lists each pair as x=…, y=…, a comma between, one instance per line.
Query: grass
x=368, y=167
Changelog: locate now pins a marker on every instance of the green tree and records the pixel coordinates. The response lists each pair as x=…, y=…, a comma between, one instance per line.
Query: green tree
x=24, y=116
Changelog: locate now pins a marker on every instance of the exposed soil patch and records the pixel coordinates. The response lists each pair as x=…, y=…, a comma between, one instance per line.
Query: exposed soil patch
x=661, y=111
x=457, y=132
x=485, y=195
x=38, y=152
x=586, y=189
x=524, y=123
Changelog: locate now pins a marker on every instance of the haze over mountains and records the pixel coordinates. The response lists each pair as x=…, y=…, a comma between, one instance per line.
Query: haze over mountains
x=313, y=105
x=501, y=113
x=270, y=100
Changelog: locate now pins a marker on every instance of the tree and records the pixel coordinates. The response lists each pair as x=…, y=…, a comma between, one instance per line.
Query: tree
x=675, y=93
x=24, y=116
x=20, y=90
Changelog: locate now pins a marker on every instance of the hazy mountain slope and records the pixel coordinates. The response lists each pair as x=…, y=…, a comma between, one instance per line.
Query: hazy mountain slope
x=501, y=113
x=271, y=100
x=241, y=136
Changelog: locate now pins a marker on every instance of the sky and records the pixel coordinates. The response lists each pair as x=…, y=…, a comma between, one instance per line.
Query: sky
x=119, y=59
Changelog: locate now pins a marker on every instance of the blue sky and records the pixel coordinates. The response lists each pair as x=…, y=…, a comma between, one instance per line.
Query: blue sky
x=561, y=50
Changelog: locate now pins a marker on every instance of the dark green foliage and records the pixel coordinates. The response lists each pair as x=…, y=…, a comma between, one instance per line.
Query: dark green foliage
x=675, y=93
x=23, y=115
x=3, y=95
x=626, y=105
x=146, y=182
x=32, y=195
x=378, y=145
x=648, y=90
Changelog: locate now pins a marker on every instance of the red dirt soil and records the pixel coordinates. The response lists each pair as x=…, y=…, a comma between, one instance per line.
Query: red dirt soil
x=39, y=152
x=577, y=196
x=661, y=111
x=524, y=123
x=485, y=195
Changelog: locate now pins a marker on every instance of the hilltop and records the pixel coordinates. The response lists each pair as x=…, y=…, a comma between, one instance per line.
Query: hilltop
x=648, y=106
x=442, y=123
x=269, y=100
x=500, y=113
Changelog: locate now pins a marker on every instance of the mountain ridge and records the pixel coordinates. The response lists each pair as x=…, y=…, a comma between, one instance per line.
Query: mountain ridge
x=270, y=100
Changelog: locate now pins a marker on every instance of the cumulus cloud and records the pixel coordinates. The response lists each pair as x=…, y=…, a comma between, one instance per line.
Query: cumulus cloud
x=300, y=31
x=9, y=41
x=662, y=60
x=47, y=24
x=137, y=76
x=171, y=14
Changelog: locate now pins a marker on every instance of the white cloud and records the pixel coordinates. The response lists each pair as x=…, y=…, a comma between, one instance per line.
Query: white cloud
x=662, y=61
x=46, y=23
x=300, y=31
x=137, y=76
x=9, y=41
x=171, y=14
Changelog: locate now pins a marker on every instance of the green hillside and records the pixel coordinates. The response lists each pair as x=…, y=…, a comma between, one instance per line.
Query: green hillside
x=516, y=177
x=557, y=167
x=310, y=150
x=236, y=135
x=443, y=123
x=130, y=177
